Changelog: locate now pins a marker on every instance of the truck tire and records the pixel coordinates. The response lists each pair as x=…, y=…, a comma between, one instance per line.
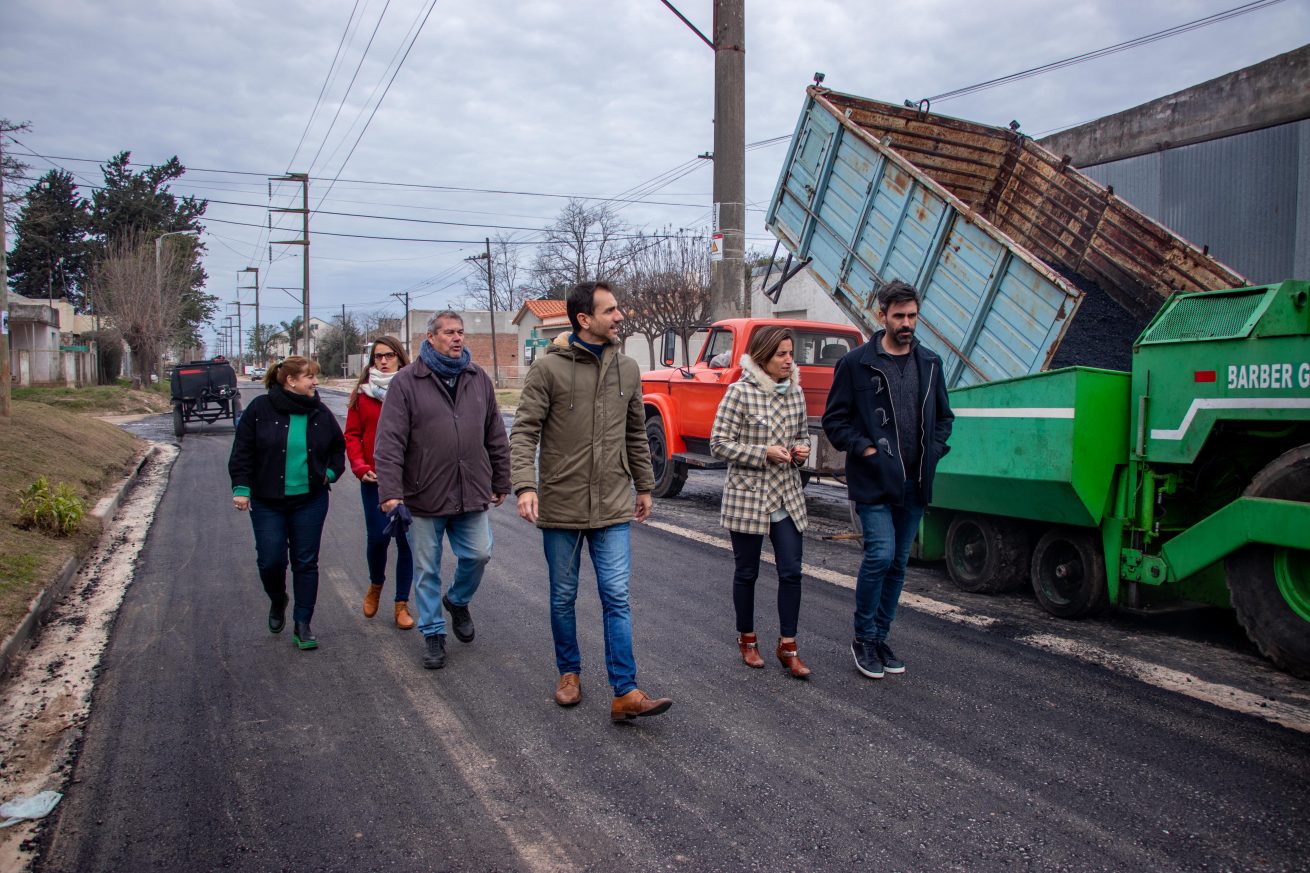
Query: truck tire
x=1270, y=586
x=179, y=421
x=986, y=555
x=1068, y=573
x=670, y=475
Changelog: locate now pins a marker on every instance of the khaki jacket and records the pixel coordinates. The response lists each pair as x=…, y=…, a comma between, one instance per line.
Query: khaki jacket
x=752, y=417
x=586, y=418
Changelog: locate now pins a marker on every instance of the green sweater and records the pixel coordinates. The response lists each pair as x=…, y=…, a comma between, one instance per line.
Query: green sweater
x=297, y=460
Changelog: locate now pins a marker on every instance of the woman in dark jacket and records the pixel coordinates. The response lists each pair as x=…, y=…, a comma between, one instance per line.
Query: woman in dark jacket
x=362, y=411
x=287, y=451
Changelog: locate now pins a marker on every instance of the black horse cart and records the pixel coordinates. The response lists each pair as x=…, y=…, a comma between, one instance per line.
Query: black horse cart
x=204, y=391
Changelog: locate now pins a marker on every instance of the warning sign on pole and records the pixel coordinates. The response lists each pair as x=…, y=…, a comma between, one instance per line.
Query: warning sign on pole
x=716, y=247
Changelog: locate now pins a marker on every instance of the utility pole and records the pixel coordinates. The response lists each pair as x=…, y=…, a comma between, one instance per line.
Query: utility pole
x=4, y=294
x=491, y=303
x=303, y=180
x=399, y=295
x=260, y=339
x=728, y=297
x=241, y=353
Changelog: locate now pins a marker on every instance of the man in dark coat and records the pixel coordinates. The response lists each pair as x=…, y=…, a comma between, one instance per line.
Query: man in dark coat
x=889, y=412
x=441, y=449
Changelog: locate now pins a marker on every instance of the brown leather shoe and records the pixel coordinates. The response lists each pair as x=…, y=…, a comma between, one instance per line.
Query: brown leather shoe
x=404, y=620
x=750, y=650
x=792, y=661
x=637, y=703
x=568, y=692
x=371, y=600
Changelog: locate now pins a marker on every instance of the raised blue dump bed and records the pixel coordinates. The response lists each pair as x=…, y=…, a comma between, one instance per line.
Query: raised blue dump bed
x=979, y=220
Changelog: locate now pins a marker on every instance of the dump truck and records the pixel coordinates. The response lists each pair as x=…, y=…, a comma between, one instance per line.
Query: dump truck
x=1132, y=416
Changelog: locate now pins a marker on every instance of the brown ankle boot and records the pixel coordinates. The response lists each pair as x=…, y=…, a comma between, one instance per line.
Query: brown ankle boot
x=750, y=650
x=404, y=620
x=792, y=661
x=371, y=600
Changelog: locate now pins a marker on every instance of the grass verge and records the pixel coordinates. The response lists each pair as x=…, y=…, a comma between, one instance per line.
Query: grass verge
x=118, y=399
x=41, y=439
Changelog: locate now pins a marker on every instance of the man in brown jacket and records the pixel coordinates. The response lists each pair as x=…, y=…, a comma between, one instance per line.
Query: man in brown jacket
x=441, y=450
x=581, y=407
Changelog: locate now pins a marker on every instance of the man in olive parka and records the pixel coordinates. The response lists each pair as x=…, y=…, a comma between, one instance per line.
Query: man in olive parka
x=581, y=410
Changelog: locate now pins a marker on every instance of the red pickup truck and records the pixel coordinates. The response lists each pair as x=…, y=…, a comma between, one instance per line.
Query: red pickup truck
x=681, y=401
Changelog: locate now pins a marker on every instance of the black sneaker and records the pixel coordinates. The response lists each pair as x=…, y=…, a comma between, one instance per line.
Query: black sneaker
x=866, y=657
x=435, y=656
x=460, y=620
x=890, y=662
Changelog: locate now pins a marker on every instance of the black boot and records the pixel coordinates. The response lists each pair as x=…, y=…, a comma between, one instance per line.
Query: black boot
x=277, y=616
x=303, y=637
x=460, y=620
x=435, y=656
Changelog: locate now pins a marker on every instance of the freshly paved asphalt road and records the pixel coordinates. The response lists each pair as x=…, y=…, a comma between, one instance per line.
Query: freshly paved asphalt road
x=215, y=745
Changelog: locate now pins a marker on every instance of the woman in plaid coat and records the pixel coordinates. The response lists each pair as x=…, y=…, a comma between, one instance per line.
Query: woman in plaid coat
x=761, y=430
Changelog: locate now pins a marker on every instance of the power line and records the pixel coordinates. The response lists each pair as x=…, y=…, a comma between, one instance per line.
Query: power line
x=349, y=85
x=420, y=239
x=321, y=91
x=378, y=105
x=1108, y=50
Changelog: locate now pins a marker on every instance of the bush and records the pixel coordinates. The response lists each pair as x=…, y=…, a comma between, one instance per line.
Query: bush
x=58, y=511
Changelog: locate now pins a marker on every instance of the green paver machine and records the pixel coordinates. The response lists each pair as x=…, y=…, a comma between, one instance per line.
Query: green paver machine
x=1186, y=479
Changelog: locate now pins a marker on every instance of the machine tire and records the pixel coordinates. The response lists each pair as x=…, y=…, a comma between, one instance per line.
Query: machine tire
x=985, y=554
x=1270, y=586
x=670, y=475
x=1068, y=573
x=179, y=421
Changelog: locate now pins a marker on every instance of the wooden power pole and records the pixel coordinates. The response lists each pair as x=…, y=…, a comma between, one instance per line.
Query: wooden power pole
x=728, y=294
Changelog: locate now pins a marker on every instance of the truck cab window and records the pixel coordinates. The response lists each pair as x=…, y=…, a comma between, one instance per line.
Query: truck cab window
x=820, y=350
x=718, y=350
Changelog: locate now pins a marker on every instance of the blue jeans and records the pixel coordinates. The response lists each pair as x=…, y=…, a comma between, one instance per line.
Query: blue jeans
x=376, y=550
x=470, y=540
x=889, y=532
x=291, y=525
x=611, y=557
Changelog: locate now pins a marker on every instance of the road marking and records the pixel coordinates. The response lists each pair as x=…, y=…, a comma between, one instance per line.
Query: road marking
x=1224, y=696
x=1227, y=403
x=1015, y=412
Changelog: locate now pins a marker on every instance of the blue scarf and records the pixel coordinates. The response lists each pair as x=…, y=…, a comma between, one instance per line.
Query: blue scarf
x=444, y=366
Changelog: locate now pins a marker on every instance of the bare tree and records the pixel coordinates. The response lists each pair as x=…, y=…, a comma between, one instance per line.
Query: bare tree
x=143, y=305
x=669, y=286
x=586, y=243
x=509, y=275
x=382, y=322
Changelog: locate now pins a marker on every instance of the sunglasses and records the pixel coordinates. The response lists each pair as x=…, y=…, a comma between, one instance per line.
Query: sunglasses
x=384, y=356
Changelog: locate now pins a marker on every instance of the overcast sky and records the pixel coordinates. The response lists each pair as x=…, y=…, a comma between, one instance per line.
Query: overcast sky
x=584, y=97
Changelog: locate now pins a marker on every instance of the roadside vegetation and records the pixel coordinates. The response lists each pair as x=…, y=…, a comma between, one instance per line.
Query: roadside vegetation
x=120, y=399
x=47, y=440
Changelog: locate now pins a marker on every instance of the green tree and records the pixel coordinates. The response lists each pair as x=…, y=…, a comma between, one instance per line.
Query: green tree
x=139, y=205
x=50, y=256
x=294, y=333
x=337, y=343
x=13, y=170
x=260, y=339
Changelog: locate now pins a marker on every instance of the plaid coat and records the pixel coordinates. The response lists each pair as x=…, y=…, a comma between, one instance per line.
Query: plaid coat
x=752, y=417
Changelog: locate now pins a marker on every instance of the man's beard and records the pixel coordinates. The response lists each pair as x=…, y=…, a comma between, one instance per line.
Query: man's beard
x=904, y=336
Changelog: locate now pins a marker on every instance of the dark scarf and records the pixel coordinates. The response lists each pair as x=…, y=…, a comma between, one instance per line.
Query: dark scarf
x=597, y=349
x=444, y=366
x=291, y=403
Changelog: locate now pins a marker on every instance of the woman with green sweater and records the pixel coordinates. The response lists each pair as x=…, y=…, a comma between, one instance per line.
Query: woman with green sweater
x=288, y=450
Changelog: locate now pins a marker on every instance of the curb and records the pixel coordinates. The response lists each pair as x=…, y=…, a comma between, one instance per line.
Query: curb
x=22, y=637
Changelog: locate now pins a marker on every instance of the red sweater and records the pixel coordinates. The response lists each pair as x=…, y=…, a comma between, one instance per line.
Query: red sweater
x=361, y=430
